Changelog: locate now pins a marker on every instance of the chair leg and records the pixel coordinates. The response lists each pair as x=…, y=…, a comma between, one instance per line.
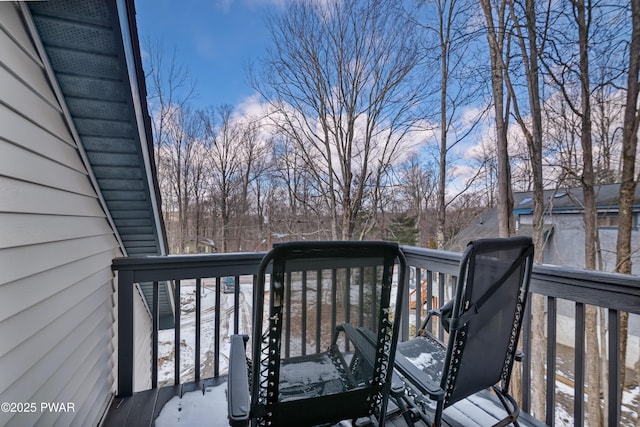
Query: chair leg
x=397, y=393
x=511, y=406
x=437, y=418
x=410, y=412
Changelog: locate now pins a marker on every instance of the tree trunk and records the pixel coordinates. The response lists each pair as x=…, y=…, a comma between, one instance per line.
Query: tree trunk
x=444, y=74
x=593, y=409
x=495, y=38
x=628, y=179
x=533, y=134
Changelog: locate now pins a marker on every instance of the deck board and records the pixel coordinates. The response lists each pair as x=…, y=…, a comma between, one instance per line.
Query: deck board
x=143, y=405
x=118, y=412
x=165, y=394
x=143, y=408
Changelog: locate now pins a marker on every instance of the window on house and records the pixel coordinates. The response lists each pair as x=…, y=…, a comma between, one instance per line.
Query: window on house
x=608, y=220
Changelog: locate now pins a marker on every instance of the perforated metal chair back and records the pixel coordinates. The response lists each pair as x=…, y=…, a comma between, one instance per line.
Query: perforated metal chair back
x=318, y=307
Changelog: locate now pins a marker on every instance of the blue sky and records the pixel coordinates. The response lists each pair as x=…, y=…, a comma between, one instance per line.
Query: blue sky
x=214, y=39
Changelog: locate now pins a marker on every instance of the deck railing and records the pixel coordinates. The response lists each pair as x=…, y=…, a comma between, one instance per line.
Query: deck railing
x=432, y=272
x=175, y=269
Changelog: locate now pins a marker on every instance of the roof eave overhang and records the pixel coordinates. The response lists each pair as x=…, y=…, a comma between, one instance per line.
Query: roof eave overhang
x=126, y=14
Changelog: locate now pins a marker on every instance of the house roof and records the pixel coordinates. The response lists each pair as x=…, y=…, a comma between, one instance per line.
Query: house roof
x=486, y=226
x=94, y=56
x=572, y=199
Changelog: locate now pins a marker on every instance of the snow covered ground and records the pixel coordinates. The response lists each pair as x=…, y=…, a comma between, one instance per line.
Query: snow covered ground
x=207, y=332
x=196, y=409
x=629, y=411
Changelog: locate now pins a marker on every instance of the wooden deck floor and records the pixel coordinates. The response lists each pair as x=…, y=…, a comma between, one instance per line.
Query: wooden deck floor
x=143, y=408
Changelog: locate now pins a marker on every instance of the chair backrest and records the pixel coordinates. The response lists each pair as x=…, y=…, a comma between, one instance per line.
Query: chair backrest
x=491, y=294
x=314, y=287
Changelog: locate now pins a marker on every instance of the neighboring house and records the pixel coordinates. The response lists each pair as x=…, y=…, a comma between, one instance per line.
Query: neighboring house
x=202, y=246
x=564, y=243
x=77, y=189
x=563, y=225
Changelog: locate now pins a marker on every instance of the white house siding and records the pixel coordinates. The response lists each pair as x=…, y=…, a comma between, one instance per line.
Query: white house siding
x=56, y=247
x=142, y=345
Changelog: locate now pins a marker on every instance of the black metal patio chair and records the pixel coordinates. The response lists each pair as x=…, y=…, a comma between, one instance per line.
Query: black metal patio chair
x=332, y=371
x=483, y=322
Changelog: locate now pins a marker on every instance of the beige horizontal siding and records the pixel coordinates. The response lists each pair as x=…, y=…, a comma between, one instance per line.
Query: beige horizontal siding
x=18, y=328
x=57, y=305
x=26, y=134
x=56, y=258
x=11, y=24
x=30, y=104
x=21, y=64
x=33, y=167
x=31, y=229
x=55, y=379
x=45, y=200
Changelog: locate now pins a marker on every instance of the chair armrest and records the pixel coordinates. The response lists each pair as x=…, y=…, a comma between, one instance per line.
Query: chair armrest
x=417, y=379
x=238, y=398
x=365, y=338
x=362, y=339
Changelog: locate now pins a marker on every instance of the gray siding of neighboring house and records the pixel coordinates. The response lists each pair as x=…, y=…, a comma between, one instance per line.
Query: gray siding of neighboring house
x=566, y=247
x=57, y=300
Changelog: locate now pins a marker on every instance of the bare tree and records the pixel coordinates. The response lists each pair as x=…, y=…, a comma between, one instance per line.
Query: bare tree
x=583, y=19
x=417, y=188
x=176, y=156
x=569, y=70
x=294, y=181
x=484, y=184
x=170, y=88
x=607, y=132
x=253, y=165
x=629, y=180
x=339, y=81
x=199, y=174
x=223, y=137
x=525, y=16
x=448, y=48
x=496, y=18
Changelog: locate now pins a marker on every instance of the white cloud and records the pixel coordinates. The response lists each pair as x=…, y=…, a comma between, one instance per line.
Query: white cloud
x=250, y=106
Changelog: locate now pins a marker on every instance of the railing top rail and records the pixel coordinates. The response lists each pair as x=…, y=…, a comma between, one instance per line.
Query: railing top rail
x=148, y=261
x=610, y=290
x=174, y=267
x=432, y=259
